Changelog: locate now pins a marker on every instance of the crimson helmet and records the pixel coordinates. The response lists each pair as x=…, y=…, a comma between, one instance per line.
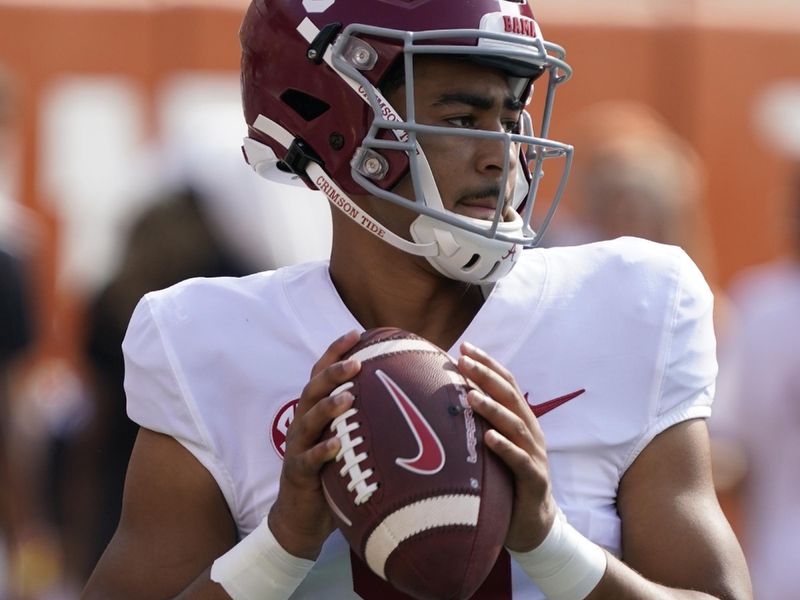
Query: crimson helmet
x=311, y=72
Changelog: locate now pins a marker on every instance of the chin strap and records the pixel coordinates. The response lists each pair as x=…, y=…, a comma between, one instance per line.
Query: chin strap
x=263, y=160
x=341, y=201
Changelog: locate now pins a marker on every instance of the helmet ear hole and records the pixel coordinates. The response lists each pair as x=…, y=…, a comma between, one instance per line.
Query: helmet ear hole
x=305, y=105
x=471, y=262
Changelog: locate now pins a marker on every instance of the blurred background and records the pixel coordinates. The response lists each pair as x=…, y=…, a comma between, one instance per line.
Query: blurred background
x=121, y=172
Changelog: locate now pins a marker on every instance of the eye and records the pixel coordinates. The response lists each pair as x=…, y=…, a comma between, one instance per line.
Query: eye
x=470, y=122
x=512, y=126
x=465, y=121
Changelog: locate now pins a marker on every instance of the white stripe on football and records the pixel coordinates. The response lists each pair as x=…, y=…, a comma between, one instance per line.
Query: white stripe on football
x=394, y=346
x=438, y=511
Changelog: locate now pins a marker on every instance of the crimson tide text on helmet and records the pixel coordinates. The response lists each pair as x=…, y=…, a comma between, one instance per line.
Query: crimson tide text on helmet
x=311, y=71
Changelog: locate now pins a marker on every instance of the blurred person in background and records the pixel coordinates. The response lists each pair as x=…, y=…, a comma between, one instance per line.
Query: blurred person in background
x=198, y=210
x=15, y=332
x=207, y=215
x=634, y=176
x=174, y=239
x=757, y=427
x=16, y=335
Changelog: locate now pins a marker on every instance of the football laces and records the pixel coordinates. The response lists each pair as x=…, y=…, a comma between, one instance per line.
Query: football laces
x=344, y=429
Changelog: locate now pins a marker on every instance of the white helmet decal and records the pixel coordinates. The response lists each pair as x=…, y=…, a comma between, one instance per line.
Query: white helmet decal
x=317, y=6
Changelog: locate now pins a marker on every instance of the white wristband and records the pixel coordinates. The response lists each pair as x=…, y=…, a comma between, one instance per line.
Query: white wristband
x=566, y=565
x=258, y=568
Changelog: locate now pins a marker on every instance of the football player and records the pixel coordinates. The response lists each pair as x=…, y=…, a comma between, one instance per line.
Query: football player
x=410, y=116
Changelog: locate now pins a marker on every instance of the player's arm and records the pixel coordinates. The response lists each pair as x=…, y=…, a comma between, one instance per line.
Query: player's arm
x=174, y=523
x=674, y=534
x=676, y=541
x=176, y=536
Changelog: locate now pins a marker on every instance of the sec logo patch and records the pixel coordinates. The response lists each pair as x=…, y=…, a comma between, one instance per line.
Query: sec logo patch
x=280, y=426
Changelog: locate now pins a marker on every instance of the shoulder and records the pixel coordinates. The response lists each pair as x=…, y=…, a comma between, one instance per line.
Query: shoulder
x=222, y=297
x=625, y=256
x=214, y=315
x=621, y=270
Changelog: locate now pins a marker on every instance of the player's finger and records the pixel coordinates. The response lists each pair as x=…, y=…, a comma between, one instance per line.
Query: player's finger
x=325, y=382
x=307, y=464
x=531, y=490
x=482, y=357
x=529, y=466
x=335, y=351
x=504, y=420
x=305, y=453
x=517, y=459
x=493, y=384
x=311, y=426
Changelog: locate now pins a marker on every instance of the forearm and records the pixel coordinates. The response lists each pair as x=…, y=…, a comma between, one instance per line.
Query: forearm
x=620, y=582
x=256, y=568
x=568, y=566
x=203, y=588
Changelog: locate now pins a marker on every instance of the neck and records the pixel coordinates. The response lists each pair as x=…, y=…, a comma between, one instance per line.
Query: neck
x=386, y=287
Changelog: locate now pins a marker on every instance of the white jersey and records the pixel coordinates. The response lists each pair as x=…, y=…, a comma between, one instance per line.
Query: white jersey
x=622, y=328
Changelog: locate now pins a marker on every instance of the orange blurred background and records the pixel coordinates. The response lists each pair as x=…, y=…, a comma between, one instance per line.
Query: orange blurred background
x=700, y=69
x=703, y=77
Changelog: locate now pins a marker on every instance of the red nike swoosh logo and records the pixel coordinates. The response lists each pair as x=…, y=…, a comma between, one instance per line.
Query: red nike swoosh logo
x=546, y=407
x=430, y=457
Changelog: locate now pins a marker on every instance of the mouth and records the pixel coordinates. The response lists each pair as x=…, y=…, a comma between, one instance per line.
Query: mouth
x=485, y=213
x=481, y=205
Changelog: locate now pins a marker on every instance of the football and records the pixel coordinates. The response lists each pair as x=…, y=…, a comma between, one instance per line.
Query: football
x=414, y=490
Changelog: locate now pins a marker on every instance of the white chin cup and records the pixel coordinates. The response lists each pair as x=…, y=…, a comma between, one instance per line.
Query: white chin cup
x=467, y=256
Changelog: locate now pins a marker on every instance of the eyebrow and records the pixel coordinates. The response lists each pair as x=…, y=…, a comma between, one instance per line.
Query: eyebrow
x=476, y=101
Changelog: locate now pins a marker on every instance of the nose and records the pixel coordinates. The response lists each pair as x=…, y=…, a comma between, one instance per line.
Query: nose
x=491, y=153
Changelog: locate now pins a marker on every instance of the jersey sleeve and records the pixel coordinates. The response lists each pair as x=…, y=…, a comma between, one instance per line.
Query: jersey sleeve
x=157, y=397
x=687, y=367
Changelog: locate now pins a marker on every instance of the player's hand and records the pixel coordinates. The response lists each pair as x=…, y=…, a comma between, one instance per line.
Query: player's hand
x=300, y=518
x=515, y=436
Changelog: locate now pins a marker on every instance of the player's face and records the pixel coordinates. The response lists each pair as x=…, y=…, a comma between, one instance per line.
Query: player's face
x=468, y=171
